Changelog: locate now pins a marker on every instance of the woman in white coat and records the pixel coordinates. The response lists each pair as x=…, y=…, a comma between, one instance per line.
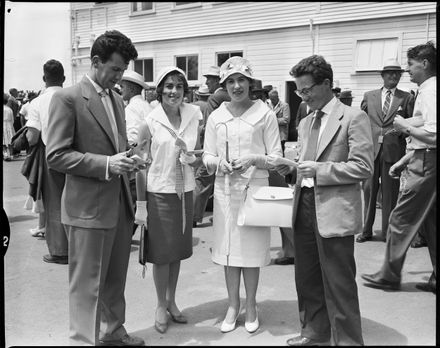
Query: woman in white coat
x=251, y=130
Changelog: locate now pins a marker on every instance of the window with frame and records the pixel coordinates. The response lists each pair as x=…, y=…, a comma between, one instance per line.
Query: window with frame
x=224, y=56
x=190, y=65
x=182, y=4
x=145, y=68
x=138, y=7
x=370, y=54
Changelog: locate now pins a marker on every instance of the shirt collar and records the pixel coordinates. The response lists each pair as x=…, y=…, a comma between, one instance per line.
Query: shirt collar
x=135, y=97
x=328, y=107
x=98, y=88
x=393, y=90
x=432, y=81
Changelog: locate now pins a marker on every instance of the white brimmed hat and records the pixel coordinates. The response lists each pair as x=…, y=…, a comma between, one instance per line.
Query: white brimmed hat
x=165, y=71
x=203, y=90
x=213, y=71
x=133, y=76
x=235, y=65
x=392, y=65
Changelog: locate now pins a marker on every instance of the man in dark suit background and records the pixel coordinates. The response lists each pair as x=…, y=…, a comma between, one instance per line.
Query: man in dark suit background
x=382, y=105
x=88, y=143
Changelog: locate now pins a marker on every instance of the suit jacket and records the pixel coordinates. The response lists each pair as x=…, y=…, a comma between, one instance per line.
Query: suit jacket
x=393, y=147
x=80, y=140
x=215, y=100
x=345, y=158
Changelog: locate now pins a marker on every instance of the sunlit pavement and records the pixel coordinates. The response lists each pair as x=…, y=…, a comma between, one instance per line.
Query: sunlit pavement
x=36, y=293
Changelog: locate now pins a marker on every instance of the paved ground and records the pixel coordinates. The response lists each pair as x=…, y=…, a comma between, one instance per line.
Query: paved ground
x=36, y=302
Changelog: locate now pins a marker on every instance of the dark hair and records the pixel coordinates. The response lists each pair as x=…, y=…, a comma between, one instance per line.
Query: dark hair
x=5, y=98
x=252, y=84
x=13, y=91
x=160, y=86
x=53, y=71
x=425, y=51
x=113, y=41
x=316, y=66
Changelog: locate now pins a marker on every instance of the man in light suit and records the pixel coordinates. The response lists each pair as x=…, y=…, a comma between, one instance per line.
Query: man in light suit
x=88, y=143
x=336, y=156
x=382, y=105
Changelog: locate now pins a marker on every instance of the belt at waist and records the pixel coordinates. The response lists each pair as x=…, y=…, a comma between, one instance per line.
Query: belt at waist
x=426, y=149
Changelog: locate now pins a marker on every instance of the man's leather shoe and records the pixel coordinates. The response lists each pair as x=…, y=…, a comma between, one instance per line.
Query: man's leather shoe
x=376, y=282
x=429, y=287
x=419, y=244
x=63, y=260
x=304, y=341
x=285, y=261
x=363, y=238
x=126, y=340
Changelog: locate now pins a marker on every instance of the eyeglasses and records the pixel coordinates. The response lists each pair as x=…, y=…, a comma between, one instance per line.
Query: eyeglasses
x=305, y=91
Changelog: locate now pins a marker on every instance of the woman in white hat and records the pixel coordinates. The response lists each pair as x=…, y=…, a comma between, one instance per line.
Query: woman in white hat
x=171, y=131
x=251, y=130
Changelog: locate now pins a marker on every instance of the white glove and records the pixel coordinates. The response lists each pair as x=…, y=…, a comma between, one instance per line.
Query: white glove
x=141, y=215
x=187, y=159
x=225, y=167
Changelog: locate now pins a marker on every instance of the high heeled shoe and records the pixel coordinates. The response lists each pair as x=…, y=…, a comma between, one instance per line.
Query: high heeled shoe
x=252, y=326
x=227, y=327
x=179, y=318
x=161, y=327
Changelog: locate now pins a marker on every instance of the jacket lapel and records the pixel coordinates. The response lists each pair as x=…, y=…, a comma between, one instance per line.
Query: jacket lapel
x=377, y=95
x=96, y=108
x=332, y=126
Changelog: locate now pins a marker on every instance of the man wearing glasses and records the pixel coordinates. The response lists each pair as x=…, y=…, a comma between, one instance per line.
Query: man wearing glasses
x=382, y=105
x=336, y=156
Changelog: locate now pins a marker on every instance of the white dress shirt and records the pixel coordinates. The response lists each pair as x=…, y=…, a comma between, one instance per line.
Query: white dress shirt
x=384, y=95
x=136, y=113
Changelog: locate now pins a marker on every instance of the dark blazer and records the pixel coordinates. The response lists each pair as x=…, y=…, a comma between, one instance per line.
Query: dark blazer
x=215, y=100
x=403, y=104
x=81, y=139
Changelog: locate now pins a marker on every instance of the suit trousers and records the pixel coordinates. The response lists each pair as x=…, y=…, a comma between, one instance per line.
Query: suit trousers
x=275, y=179
x=52, y=189
x=390, y=192
x=325, y=273
x=416, y=208
x=98, y=262
x=203, y=190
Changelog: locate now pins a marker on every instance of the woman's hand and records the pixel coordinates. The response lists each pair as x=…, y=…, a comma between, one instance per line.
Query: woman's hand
x=243, y=163
x=225, y=167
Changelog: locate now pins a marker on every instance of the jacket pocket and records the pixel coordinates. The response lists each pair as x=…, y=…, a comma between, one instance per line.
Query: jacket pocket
x=81, y=197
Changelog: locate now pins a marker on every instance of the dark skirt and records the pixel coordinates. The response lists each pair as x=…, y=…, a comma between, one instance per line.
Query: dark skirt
x=166, y=241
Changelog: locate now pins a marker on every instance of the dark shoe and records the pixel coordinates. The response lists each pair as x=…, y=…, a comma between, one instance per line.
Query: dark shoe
x=63, y=260
x=428, y=287
x=363, y=238
x=126, y=340
x=419, y=244
x=379, y=283
x=194, y=224
x=285, y=261
x=179, y=318
x=304, y=341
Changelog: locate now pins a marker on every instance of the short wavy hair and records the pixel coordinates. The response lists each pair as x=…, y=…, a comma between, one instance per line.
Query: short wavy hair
x=316, y=66
x=180, y=77
x=53, y=70
x=425, y=51
x=113, y=41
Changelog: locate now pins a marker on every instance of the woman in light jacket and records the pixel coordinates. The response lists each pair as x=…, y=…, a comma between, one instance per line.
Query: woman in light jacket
x=171, y=131
x=251, y=130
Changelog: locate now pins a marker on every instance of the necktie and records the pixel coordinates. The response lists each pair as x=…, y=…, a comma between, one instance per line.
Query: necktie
x=180, y=187
x=312, y=143
x=105, y=100
x=386, y=105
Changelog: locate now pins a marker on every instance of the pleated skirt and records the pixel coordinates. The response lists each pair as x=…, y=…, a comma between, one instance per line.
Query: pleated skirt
x=166, y=241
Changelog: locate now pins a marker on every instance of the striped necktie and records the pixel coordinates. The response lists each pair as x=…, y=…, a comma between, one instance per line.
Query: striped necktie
x=105, y=97
x=386, y=105
x=312, y=143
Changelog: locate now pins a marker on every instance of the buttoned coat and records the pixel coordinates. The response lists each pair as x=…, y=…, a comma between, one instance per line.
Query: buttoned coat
x=80, y=140
x=393, y=146
x=344, y=158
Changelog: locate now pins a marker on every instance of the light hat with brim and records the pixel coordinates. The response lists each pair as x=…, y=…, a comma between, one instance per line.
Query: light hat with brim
x=203, y=90
x=133, y=76
x=392, y=65
x=235, y=65
x=213, y=71
x=165, y=71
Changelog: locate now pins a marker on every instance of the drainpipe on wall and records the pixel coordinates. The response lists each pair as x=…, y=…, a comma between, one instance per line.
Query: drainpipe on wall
x=427, y=27
x=312, y=36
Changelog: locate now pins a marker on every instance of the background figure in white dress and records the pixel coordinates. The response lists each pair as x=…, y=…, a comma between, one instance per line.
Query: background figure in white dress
x=251, y=130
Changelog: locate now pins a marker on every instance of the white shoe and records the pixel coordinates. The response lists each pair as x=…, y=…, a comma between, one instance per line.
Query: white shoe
x=226, y=327
x=37, y=232
x=252, y=327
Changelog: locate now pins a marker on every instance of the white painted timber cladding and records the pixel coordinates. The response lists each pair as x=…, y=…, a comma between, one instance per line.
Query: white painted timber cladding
x=232, y=17
x=273, y=52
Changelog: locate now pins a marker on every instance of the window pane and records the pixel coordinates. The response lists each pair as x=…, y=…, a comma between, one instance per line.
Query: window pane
x=148, y=70
x=181, y=63
x=138, y=67
x=147, y=6
x=193, y=68
x=134, y=6
x=221, y=58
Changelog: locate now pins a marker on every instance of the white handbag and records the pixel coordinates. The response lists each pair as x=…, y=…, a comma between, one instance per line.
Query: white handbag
x=266, y=206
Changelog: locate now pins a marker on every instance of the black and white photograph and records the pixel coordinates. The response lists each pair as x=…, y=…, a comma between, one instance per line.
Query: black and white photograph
x=219, y=173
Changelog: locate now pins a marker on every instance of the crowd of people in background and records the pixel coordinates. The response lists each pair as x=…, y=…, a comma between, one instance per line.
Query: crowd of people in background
x=103, y=159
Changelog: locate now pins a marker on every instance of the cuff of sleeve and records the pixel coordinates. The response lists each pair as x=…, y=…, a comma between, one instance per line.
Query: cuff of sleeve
x=107, y=172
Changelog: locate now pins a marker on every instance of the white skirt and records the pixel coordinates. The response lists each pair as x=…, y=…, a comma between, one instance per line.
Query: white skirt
x=238, y=246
